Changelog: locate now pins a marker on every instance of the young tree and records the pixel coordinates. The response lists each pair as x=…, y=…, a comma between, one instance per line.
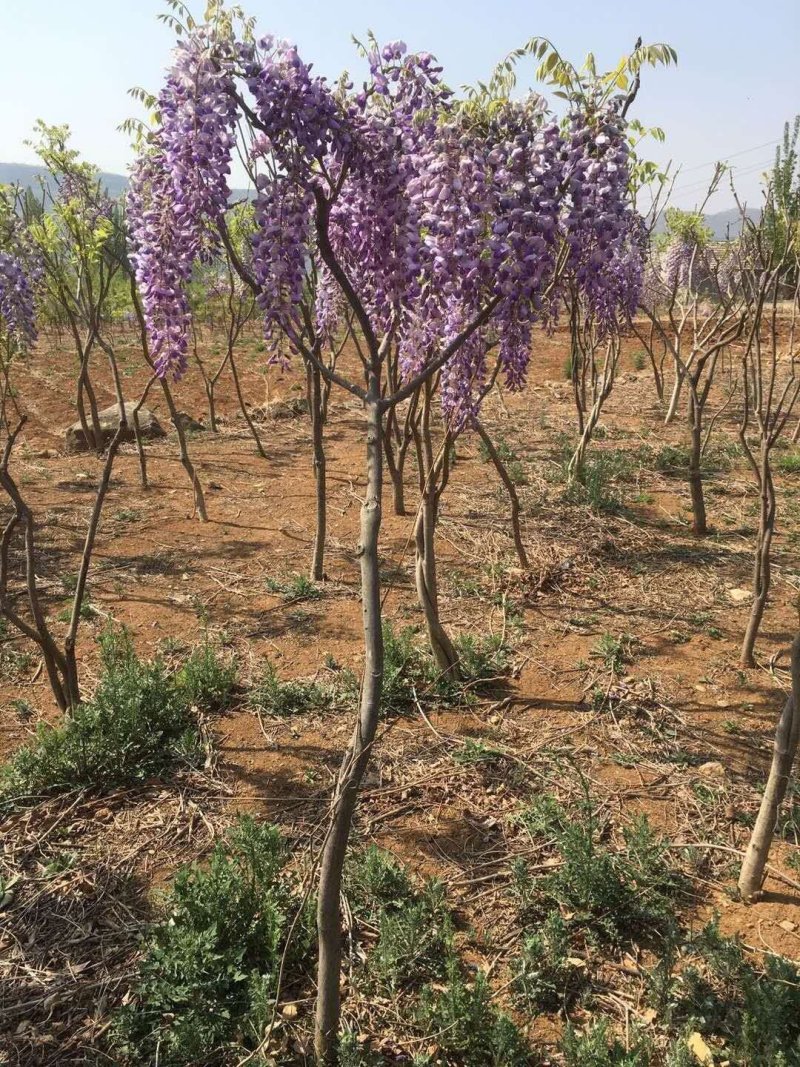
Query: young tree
x=433, y=223
x=771, y=387
x=787, y=736
x=71, y=241
x=696, y=315
x=781, y=219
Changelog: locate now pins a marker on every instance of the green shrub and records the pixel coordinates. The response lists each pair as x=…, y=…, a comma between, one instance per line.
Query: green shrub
x=671, y=458
x=594, y=1048
x=415, y=940
x=481, y=658
x=503, y=449
x=415, y=932
x=463, y=1022
x=208, y=977
x=611, y=895
x=546, y=978
x=271, y=696
x=616, y=652
x=206, y=680
x=375, y=881
x=296, y=588
x=753, y=1012
x=598, y=485
x=352, y=1053
x=474, y=751
x=137, y=724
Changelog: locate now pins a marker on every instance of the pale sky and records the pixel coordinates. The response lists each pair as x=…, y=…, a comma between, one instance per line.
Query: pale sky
x=736, y=83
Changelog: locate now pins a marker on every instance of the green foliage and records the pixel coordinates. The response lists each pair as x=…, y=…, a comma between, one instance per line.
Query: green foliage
x=600, y=478
x=138, y=723
x=415, y=932
x=503, y=449
x=375, y=881
x=206, y=680
x=474, y=751
x=546, y=975
x=294, y=589
x=781, y=218
x=464, y=1023
x=353, y=1054
x=688, y=227
x=481, y=658
x=615, y=652
x=612, y=895
x=410, y=673
x=414, y=940
x=208, y=977
x=752, y=1012
x=788, y=462
x=271, y=696
x=595, y=1048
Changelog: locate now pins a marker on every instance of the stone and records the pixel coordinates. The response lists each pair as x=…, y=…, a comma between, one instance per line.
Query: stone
x=288, y=409
x=739, y=596
x=149, y=427
x=188, y=422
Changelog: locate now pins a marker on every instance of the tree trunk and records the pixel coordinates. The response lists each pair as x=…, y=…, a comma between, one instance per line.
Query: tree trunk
x=188, y=466
x=762, y=564
x=699, y=523
x=317, y=430
x=433, y=476
x=212, y=406
x=243, y=407
x=500, y=467
x=394, y=466
x=784, y=751
x=357, y=756
x=675, y=397
x=427, y=587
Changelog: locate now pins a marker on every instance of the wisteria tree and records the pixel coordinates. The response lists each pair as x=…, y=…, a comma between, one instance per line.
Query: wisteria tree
x=695, y=312
x=439, y=226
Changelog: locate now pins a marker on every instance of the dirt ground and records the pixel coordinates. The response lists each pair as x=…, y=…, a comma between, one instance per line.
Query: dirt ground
x=684, y=737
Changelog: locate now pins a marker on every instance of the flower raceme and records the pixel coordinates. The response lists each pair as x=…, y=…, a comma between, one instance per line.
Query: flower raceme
x=17, y=319
x=432, y=210
x=179, y=187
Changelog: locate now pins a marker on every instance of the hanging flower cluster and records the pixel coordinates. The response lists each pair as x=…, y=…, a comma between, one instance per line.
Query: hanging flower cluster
x=178, y=186
x=436, y=214
x=280, y=254
x=17, y=318
x=605, y=237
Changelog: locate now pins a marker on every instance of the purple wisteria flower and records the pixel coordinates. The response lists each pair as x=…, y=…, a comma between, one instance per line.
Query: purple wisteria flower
x=17, y=317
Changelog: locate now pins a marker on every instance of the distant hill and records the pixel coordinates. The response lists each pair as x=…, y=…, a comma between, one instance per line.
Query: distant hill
x=723, y=224
x=728, y=223
x=28, y=175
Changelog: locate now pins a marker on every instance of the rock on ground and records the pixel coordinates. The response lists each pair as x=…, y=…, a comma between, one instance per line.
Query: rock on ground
x=149, y=426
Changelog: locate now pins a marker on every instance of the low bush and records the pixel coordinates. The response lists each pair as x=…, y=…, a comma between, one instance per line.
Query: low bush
x=207, y=980
x=137, y=724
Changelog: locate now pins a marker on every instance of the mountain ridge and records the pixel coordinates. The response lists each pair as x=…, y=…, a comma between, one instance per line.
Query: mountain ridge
x=723, y=224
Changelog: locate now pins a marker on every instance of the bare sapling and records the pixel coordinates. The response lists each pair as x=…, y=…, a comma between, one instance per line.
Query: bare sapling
x=697, y=316
x=784, y=752
x=771, y=387
x=174, y=414
x=433, y=470
x=593, y=364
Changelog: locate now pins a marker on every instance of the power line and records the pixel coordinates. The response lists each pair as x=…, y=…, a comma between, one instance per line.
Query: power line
x=731, y=155
x=735, y=171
